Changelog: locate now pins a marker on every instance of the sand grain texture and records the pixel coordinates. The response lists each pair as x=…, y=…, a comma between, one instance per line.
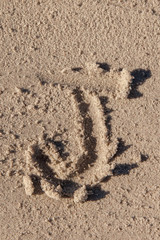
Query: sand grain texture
x=79, y=120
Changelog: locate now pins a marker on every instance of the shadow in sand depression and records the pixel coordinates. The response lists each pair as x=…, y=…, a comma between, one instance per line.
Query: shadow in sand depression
x=60, y=145
x=123, y=169
x=104, y=66
x=121, y=148
x=139, y=77
x=89, y=140
x=96, y=193
x=106, y=112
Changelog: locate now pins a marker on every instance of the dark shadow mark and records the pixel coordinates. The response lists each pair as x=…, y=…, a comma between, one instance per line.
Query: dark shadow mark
x=106, y=179
x=35, y=48
x=37, y=185
x=78, y=69
x=3, y=160
x=121, y=148
x=14, y=30
x=123, y=169
x=42, y=161
x=41, y=79
x=61, y=149
x=12, y=173
x=80, y=5
x=108, y=125
x=139, y=77
x=2, y=132
x=104, y=66
x=107, y=111
x=144, y=157
x=155, y=12
x=24, y=90
x=59, y=144
x=16, y=136
x=96, y=193
x=69, y=187
x=89, y=140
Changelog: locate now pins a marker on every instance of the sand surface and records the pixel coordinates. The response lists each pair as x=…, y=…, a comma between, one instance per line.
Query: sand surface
x=79, y=120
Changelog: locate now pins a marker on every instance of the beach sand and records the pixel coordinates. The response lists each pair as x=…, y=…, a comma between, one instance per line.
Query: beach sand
x=79, y=120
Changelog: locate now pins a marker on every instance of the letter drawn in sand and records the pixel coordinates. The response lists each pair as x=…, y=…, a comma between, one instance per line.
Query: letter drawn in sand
x=87, y=162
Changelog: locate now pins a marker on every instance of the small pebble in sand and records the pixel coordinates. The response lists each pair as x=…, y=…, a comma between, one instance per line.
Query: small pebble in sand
x=80, y=195
x=50, y=190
